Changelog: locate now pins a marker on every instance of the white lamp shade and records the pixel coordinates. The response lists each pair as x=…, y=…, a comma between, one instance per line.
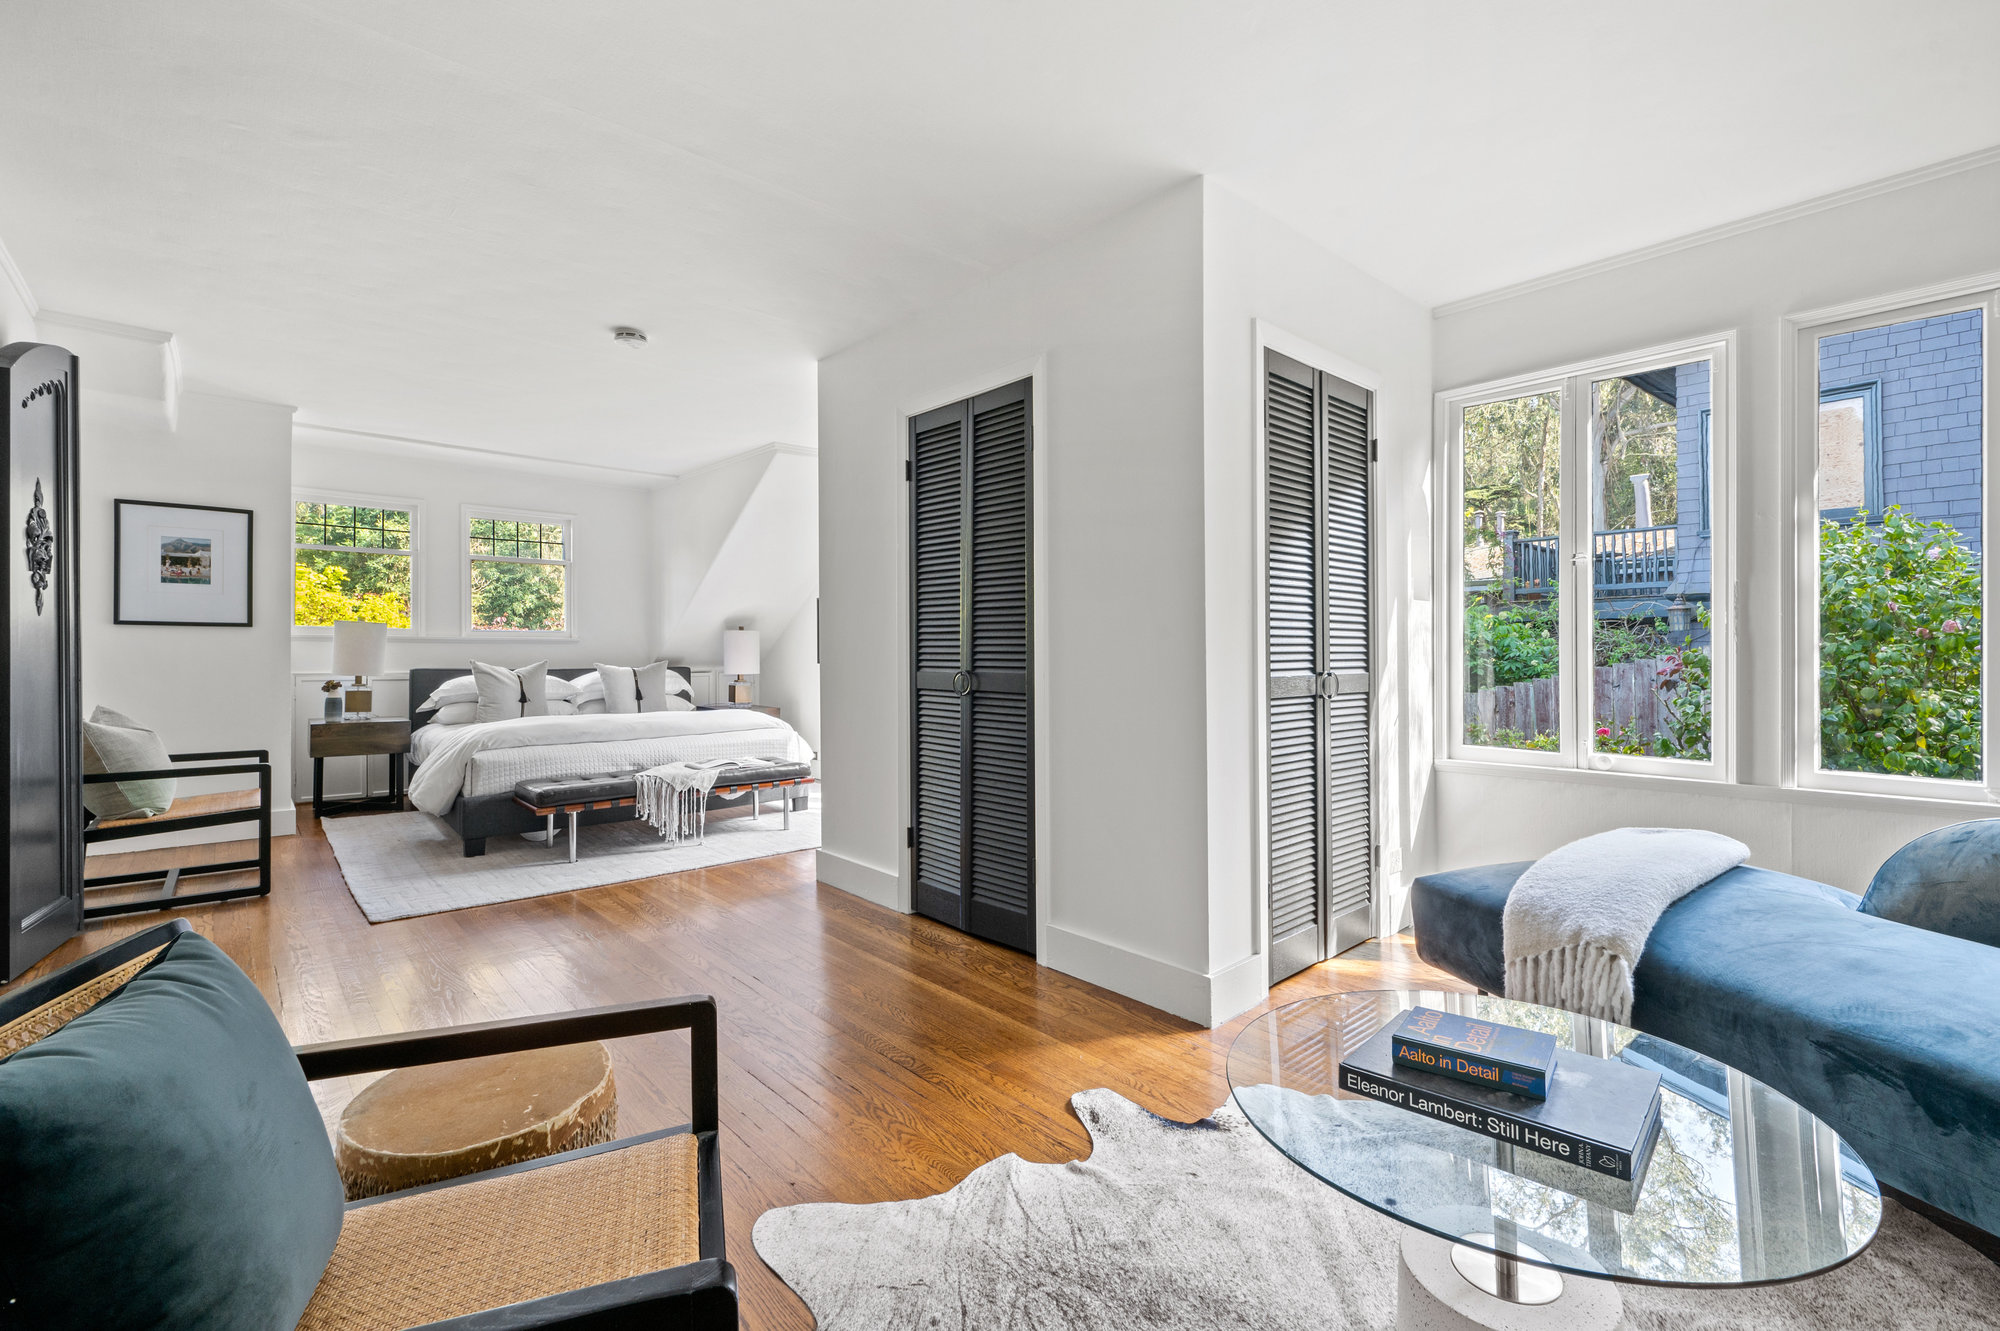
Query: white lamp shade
x=360, y=649
x=739, y=651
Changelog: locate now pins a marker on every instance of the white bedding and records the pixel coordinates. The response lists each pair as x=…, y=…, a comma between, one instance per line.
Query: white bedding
x=488, y=759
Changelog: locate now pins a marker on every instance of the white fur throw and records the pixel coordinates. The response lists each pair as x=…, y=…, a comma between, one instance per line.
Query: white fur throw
x=1578, y=919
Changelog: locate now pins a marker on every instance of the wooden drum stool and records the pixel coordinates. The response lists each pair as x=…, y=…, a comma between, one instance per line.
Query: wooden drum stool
x=421, y=1125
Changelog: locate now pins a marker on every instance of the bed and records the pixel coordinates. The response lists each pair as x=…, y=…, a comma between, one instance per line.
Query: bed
x=464, y=775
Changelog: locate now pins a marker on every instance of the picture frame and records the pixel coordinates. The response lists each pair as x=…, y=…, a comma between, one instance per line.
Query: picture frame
x=186, y=565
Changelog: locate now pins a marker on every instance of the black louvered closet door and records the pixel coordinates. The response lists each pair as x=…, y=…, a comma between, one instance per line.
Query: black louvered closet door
x=1321, y=851
x=972, y=728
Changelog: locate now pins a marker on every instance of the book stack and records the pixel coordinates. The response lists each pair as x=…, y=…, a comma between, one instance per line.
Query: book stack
x=1596, y=1113
x=1485, y=1053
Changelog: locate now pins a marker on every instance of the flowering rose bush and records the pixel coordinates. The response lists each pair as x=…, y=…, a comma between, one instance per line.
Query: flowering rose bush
x=1899, y=674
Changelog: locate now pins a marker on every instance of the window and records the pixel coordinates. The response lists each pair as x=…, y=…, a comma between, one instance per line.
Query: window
x=1511, y=453
x=1895, y=698
x=518, y=573
x=351, y=561
x=1584, y=629
x=1850, y=451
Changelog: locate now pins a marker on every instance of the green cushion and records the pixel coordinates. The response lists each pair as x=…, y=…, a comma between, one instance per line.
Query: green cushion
x=114, y=742
x=165, y=1163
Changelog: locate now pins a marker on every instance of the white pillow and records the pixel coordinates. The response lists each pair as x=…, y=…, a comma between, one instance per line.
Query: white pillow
x=590, y=707
x=587, y=686
x=506, y=694
x=455, y=714
x=648, y=688
x=459, y=688
x=555, y=687
x=561, y=707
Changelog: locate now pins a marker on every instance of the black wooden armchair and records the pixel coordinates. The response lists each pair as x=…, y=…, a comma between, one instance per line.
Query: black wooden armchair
x=213, y=809
x=457, y=1238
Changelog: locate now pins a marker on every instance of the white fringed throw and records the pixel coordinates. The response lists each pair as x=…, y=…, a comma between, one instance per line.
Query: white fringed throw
x=674, y=797
x=1577, y=920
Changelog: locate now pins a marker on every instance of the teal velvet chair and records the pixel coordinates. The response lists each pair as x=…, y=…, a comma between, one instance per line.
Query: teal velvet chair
x=167, y=1165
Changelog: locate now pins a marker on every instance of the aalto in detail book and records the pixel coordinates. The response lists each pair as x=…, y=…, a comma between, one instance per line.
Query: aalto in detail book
x=1485, y=1053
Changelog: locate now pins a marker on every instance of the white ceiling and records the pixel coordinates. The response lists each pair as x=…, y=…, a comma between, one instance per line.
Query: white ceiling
x=423, y=218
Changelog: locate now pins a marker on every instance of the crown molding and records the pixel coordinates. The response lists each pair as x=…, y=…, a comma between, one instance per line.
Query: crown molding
x=108, y=327
x=17, y=281
x=1951, y=166
x=411, y=446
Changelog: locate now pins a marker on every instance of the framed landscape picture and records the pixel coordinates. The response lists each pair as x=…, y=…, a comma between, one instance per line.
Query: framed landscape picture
x=180, y=564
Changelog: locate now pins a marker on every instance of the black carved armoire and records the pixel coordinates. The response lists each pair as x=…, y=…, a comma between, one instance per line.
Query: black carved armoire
x=40, y=694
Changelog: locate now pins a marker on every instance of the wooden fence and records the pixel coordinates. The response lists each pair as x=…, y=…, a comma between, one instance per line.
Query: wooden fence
x=1626, y=694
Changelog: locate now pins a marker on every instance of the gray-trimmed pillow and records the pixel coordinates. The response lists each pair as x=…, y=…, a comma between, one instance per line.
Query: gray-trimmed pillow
x=506, y=694
x=114, y=742
x=648, y=688
x=457, y=689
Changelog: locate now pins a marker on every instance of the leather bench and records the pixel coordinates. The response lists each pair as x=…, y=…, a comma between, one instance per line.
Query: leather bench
x=734, y=781
x=545, y=797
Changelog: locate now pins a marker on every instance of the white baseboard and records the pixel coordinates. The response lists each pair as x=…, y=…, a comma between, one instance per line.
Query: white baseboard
x=1208, y=1000
x=880, y=886
x=284, y=822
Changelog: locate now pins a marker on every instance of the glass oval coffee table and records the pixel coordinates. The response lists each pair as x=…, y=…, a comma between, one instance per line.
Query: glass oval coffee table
x=1743, y=1187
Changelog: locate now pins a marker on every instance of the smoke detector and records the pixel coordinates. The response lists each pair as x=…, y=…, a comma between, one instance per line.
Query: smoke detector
x=628, y=337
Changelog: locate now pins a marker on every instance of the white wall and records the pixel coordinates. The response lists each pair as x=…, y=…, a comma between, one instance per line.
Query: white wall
x=614, y=571
x=1321, y=309
x=1936, y=231
x=615, y=568
x=1110, y=325
x=17, y=303
x=790, y=681
x=740, y=548
x=201, y=688
x=695, y=515
x=1141, y=336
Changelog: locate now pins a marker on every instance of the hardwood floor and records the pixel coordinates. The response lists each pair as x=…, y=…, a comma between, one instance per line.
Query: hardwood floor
x=866, y=1055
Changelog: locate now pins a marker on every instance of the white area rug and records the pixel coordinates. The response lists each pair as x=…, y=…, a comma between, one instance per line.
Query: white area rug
x=403, y=864
x=1206, y=1224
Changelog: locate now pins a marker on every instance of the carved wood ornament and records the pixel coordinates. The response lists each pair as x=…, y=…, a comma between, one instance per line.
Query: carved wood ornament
x=41, y=547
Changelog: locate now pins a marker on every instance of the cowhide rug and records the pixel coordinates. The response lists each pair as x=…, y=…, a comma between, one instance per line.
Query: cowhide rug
x=1207, y=1225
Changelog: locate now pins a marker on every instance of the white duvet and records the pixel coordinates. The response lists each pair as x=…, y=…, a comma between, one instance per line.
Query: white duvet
x=441, y=775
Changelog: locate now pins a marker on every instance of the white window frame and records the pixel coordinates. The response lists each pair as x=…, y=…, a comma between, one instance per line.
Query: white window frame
x=1802, y=345
x=1574, y=538
x=469, y=512
x=411, y=506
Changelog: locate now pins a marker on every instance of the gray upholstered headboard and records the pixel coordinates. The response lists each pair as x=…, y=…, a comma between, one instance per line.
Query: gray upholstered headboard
x=424, y=681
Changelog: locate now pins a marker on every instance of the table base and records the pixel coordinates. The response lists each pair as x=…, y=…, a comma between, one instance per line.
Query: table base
x=1436, y=1291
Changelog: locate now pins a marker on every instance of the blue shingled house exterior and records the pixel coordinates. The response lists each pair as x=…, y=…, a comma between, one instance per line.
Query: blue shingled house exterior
x=1907, y=395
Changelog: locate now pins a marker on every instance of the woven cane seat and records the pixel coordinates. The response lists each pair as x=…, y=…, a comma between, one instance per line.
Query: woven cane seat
x=405, y=1261
x=64, y=1008
x=425, y=1124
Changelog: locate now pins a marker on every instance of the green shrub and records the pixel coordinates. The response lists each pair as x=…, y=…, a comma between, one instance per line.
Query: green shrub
x=1517, y=639
x=1899, y=661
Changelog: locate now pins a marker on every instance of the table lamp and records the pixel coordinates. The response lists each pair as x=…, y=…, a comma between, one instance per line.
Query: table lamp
x=361, y=650
x=739, y=658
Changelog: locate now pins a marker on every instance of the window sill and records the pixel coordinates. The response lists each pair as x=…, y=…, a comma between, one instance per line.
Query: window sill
x=1972, y=805
x=411, y=635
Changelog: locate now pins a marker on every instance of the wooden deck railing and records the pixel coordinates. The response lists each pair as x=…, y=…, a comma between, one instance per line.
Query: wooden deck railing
x=1636, y=559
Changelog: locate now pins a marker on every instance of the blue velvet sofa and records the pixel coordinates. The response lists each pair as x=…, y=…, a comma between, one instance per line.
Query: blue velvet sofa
x=1879, y=1013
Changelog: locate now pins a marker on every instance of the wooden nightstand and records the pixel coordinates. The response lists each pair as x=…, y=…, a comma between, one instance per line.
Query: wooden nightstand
x=358, y=739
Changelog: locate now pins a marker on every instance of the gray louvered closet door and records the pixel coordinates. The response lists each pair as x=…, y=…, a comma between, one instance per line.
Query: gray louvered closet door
x=1320, y=763
x=972, y=788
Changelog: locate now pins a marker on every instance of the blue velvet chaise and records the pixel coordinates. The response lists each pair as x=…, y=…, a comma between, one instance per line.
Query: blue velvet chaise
x=1879, y=1013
